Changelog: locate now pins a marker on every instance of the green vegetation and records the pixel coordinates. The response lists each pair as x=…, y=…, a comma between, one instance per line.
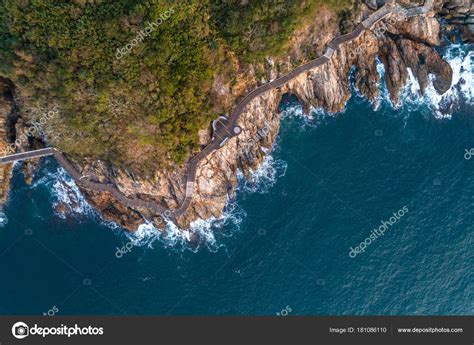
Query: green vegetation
x=255, y=29
x=144, y=108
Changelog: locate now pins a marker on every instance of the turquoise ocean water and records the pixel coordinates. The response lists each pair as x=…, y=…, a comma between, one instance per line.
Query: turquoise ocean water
x=283, y=246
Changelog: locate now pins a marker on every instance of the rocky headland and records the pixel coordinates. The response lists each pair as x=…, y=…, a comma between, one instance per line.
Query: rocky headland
x=399, y=42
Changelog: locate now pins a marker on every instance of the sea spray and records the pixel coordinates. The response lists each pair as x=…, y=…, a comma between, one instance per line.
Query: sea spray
x=65, y=191
x=3, y=219
x=292, y=110
x=462, y=87
x=264, y=177
x=461, y=59
x=200, y=234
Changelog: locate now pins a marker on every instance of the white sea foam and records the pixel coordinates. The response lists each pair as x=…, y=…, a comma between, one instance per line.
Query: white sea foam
x=65, y=191
x=384, y=95
x=294, y=110
x=3, y=219
x=462, y=87
x=201, y=233
x=461, y=90
x=264, y=177
x=409, y=93
x=375, y=103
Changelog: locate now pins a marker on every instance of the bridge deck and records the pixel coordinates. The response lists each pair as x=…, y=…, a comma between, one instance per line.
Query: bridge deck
x=27, y=155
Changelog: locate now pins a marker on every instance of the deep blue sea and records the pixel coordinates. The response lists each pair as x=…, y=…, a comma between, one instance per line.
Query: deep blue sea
x=283, y=246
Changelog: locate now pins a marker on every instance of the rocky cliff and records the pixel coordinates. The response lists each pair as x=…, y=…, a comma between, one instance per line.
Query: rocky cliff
x=400, y=43
x=6, y=120
x=460, y=13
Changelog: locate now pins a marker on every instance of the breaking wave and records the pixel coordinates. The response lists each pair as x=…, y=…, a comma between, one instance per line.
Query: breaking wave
x=292, y=109
x=210, y=232
x=66, y=193
x=200, y=234
x=264, y=177
x=461, y=60
x=3, y=219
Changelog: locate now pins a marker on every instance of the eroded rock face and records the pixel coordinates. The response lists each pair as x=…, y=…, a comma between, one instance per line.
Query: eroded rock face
x=166, y=187
x=461, y=14
x=114, y=211
x=402, y=45
x=398, y=43
x=217, y=174
x=6, y=113
x=13, y=138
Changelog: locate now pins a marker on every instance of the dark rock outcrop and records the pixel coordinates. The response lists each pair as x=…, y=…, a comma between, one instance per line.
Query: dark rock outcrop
x=461, y=14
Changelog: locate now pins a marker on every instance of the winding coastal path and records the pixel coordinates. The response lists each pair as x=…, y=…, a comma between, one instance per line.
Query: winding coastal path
x=224, y=128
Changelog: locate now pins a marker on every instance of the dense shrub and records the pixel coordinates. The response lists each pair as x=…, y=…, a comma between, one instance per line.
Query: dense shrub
x=145, y=106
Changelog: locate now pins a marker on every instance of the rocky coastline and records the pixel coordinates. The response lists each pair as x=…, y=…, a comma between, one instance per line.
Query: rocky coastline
x=400, y=43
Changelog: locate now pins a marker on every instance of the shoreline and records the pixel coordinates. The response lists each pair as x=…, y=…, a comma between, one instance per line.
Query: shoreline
x=228, y=129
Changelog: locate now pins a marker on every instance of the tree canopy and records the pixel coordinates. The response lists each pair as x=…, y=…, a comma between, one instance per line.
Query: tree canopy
x=127, y=94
